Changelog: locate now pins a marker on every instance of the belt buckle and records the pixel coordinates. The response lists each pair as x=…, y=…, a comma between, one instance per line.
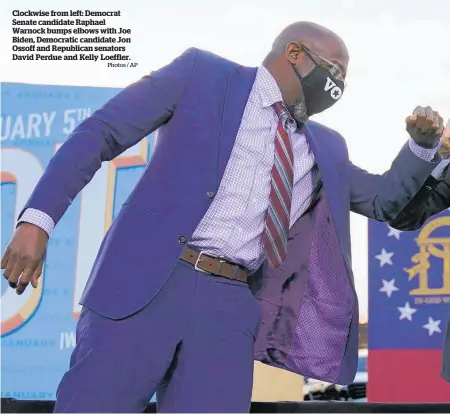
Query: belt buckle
x=200, y=253
x=236, y=269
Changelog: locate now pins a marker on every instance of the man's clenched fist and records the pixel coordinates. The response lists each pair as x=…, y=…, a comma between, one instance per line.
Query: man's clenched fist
x=425, y=126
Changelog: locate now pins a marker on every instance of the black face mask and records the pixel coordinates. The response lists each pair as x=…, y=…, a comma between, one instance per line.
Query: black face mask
x=320, y=88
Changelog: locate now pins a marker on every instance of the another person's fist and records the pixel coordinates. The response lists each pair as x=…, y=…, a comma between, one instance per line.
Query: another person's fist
x=425, y=126
x=444, y=151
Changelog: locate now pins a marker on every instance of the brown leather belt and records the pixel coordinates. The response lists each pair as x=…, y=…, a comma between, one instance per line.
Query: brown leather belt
x=214, y=266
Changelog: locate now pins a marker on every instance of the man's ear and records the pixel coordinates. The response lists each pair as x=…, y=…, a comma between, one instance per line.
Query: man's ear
x=294, y=53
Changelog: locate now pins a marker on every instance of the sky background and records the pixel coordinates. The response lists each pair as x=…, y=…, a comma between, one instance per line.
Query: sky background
x=399, y=58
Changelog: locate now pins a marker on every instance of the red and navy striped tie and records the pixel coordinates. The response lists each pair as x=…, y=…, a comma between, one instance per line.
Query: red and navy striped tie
x=278, y=214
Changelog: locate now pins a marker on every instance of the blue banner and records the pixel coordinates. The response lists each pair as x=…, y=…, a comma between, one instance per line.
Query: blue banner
x=38, y=327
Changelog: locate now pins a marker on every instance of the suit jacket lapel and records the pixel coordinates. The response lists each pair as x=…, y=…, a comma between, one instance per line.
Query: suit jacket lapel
x=239, y=86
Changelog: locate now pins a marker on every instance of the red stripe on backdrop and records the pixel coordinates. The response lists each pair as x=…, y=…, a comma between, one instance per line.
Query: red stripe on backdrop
x=406, y=376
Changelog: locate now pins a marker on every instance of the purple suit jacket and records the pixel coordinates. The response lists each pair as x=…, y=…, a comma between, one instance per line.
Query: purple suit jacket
x=309, y=306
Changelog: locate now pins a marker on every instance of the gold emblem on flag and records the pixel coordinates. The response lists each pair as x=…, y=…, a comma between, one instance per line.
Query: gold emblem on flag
x=429, y=246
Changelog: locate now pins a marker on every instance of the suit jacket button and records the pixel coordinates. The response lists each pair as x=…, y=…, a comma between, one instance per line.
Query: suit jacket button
x=182, y=240
x=210, y=194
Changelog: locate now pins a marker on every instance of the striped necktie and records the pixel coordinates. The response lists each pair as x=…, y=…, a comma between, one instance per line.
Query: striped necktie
x=278, y=214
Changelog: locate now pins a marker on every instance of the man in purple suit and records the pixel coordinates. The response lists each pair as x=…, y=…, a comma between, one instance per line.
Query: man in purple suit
x=242, y=190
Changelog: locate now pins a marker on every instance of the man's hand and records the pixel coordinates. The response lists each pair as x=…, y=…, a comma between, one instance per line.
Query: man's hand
x=425, y=126
x=444, y=151
x=24, y=257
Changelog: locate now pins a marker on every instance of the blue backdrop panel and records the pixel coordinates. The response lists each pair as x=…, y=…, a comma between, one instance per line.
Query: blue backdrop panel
x=38, y=328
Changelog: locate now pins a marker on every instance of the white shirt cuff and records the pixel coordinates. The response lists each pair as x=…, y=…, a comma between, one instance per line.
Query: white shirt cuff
x=38, y=218
x=426, y=154
x=437, y=172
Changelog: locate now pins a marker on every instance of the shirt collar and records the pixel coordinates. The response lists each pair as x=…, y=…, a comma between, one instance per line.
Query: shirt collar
x=267, y=87
x=270, y=92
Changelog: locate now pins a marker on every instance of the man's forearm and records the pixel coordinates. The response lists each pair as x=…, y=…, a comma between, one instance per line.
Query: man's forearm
x=135, y=112
x=432, y=198
x=382, y=197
